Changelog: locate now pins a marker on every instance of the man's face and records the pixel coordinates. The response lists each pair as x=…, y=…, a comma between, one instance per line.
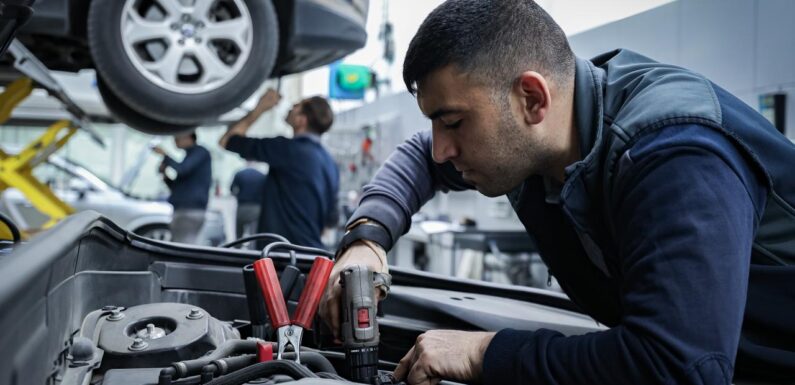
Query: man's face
x=480, y=131
x=183, y=141
x=295, y=117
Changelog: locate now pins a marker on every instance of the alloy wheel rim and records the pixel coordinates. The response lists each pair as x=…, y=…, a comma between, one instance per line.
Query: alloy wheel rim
x=187, y=46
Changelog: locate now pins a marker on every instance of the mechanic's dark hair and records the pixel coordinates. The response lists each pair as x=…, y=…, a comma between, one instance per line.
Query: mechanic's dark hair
x=318, y=114
x=492, y=41
x=192, y=135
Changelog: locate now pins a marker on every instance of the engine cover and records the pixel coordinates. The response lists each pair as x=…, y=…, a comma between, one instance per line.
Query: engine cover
x=155, y=335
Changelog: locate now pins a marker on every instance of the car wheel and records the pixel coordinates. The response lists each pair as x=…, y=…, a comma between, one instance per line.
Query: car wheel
x=181, y=63
x=159, y=232
x=123, y=113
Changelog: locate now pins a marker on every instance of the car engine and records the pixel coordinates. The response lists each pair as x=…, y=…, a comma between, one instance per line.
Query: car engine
x=176, y=343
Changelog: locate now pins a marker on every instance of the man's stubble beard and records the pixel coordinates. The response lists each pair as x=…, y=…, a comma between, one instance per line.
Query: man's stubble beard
x=517, y=157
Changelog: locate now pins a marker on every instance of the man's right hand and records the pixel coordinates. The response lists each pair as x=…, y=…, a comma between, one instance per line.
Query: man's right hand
x=358, y=253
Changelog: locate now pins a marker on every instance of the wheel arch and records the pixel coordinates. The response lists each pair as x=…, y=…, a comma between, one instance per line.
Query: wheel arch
x=147, y=221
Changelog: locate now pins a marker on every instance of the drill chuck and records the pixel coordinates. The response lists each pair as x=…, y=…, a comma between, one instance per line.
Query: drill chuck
x=361, y=363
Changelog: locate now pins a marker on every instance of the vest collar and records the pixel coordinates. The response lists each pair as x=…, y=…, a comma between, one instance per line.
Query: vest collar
x=577, y=197
x=588, y=113
x=587, y=103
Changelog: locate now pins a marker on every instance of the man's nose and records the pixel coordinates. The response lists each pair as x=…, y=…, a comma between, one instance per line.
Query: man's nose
x=444, y=147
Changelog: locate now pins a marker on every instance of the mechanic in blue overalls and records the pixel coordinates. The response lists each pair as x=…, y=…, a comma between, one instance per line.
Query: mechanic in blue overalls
x=190, y=189
x=664, y=205
x=299, y=199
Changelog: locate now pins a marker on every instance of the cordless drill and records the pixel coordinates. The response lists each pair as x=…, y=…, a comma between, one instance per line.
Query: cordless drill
x=359, y=325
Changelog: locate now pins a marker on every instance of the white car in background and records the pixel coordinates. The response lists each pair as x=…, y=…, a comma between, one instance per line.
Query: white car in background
x=83, y=190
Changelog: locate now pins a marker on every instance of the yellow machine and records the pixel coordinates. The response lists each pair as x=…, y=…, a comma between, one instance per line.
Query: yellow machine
x=16, y=169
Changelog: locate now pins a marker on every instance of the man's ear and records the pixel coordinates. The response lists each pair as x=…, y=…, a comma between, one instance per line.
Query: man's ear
x=534, y=96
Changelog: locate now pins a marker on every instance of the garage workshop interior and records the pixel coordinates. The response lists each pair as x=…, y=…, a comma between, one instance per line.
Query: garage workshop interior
x=324, y=192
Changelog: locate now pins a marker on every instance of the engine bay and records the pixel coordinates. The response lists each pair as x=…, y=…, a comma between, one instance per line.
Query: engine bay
x=90, y=303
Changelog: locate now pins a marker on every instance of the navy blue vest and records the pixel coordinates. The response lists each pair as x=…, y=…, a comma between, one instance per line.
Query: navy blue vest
x=633, y=96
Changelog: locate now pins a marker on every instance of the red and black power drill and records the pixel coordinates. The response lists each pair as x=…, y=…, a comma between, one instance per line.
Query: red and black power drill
x=359, y=325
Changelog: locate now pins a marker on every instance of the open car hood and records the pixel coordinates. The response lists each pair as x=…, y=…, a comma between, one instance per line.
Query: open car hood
x=52, y=285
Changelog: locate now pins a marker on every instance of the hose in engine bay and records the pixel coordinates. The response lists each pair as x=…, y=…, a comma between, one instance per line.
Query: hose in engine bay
x=193, y=367
x=313, y=360
x=264, y=369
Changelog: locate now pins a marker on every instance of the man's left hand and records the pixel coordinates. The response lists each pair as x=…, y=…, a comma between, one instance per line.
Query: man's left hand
x=268, y=100
x=444, y=354
x=158, y=150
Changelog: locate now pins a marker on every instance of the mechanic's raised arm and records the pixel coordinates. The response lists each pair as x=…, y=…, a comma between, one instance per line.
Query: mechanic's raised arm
x=240, y=128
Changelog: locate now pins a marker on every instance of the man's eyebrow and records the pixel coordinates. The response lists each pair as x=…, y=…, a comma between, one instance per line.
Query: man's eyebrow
x=442, y=112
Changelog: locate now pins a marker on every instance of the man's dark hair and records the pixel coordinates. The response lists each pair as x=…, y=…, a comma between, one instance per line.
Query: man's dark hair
x=492, y=41
x=318, y=114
